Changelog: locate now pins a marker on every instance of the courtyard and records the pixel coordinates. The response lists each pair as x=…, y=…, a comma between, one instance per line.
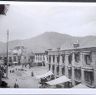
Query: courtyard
x=22, y=76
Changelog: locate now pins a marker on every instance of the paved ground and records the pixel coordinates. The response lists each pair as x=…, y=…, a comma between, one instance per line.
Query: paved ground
x=24, y=78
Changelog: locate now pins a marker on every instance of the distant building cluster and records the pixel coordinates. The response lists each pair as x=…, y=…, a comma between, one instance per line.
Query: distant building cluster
x=20, y=56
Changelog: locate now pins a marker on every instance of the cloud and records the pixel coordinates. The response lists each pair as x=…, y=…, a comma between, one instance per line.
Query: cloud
x=25, y=21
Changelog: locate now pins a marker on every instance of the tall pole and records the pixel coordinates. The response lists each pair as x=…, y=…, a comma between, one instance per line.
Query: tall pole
x=7, y=54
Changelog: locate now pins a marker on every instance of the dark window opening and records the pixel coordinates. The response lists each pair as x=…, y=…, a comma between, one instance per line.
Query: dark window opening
x=69, y=73
x=31, y=59
x=10, y=59
x=88, y=59
x=70, y=58
x=77, y=74
x=77, y=57
x=49, y=66
x=89, y=77
x=58, y=59
x=49, y=59
x=57, y=70
x=63, y=58
x=53, y=58
x=14, y=58
x=43, y=58
x=63, y=71
x=53, y=68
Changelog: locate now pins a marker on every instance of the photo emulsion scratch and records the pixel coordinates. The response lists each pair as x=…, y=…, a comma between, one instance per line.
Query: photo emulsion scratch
x=47, y=46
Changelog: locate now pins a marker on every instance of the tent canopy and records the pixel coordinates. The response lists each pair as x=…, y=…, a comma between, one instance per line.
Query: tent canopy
x=44, y=75
x=59, y=80
x=80, y=86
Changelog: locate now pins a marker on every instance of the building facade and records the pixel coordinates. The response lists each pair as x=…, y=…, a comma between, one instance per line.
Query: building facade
x=78, y=64
x=17, y=56
x=41, y=59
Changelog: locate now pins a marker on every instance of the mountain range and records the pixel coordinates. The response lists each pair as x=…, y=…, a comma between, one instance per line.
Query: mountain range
x=50, y=40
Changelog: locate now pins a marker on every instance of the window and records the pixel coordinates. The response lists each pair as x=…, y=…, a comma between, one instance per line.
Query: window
x=88, y=59
x=49, y=58
x=43, y=57
x=57, y=70
x=53, y=68
x=63, y=58
x=58, y=58
x=77, y=74
x=69, y=73
x=53, y=58
x=89, y=77
x=10, y=59
x=77, y=57
x=24, y=57
x=70, y=58
x=40, y=56
x=37, y=58
x=49, y=66
x=14, y=58
x=63, y=70
x=32, y=58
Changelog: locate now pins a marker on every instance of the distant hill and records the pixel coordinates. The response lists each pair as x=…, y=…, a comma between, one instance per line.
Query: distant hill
x=45, y=41
x=51, y=40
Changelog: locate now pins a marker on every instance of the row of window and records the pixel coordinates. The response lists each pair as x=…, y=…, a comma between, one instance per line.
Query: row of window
x=57, y=69
x=87, y=58
x=88, y=76
x=40, y=58
x=52, y=57
x=14, y=59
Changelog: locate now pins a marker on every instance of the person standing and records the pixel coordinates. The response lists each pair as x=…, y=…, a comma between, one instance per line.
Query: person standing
x=16, y=84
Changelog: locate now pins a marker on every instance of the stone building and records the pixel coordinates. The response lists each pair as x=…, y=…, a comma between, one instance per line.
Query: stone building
x=41, y=59
x=78, y=64
x=17, y=56
x=13, y=59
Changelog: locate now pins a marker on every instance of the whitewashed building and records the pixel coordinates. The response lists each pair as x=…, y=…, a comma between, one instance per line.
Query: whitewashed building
x=77, y=64
x=41, y=59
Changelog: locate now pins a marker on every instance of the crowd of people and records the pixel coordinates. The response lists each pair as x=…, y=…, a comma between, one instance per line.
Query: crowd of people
x=16, y=85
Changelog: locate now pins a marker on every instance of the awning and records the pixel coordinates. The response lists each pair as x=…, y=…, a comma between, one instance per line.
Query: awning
x=44, y=75
x=80, y=86
x=59, y=80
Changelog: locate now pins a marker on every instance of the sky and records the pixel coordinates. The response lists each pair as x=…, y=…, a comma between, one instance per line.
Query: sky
x=25, y=21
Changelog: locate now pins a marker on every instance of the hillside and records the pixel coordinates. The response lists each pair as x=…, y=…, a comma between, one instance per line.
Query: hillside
x=51, y=40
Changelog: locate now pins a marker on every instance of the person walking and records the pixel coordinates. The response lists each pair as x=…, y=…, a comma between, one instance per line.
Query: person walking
x=16, y=84
x=32, y=74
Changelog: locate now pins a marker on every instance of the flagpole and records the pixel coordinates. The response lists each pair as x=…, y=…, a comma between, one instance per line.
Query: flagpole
x=7, y=54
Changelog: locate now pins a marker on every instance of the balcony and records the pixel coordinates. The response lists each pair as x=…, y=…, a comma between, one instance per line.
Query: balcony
x=88, y=67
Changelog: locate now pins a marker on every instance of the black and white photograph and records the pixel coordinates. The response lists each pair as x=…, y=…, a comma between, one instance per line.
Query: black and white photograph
x=48, y=45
